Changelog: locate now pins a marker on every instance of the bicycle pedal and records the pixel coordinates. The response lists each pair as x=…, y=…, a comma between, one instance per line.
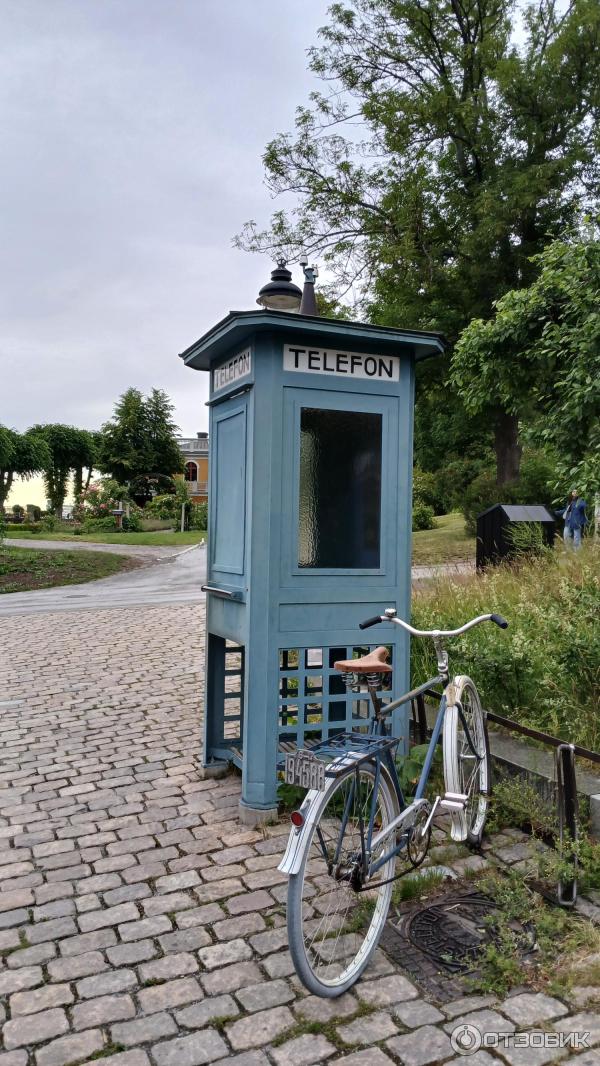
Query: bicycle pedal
x=453, y=801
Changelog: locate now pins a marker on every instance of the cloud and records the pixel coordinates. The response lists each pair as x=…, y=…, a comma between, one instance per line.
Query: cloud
x=132, y=135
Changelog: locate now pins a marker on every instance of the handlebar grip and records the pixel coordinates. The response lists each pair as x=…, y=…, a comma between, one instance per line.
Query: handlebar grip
x=500, y=621
x=370, y=622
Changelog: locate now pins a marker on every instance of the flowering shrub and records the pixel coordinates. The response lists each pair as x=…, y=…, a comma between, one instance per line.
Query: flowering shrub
x=95, y=505
x=99, y=499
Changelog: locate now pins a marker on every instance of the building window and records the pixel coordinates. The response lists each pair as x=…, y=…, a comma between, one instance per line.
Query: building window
x=191, y=472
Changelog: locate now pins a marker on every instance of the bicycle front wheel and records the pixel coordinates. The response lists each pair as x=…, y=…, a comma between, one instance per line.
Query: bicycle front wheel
x=466, y=765
x=333, y=926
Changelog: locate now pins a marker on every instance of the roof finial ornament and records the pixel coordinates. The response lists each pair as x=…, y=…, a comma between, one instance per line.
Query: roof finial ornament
x=308, y=305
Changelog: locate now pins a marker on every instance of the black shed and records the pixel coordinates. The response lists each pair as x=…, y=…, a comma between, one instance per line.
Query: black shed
x=493, y=529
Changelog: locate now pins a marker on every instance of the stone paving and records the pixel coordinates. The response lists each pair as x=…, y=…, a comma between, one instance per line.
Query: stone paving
x=140, y=925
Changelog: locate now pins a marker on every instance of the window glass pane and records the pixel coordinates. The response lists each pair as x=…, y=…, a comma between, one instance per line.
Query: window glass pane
x=340, y=489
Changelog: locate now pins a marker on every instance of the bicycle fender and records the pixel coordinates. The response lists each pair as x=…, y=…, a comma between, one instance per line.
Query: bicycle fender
x=292, y=859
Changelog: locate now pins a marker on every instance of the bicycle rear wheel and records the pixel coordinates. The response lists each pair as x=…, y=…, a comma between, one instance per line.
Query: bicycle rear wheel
x=333, y=927
x=466, y=771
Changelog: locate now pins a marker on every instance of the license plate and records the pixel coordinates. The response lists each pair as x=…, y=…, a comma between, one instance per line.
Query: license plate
x=304, y=769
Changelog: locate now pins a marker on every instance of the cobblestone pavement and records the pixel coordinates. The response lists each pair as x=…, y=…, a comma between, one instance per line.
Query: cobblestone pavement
x=139, y=923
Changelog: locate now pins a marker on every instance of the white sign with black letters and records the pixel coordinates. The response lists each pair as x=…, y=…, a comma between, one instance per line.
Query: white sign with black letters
x=234, y=370
x=341, y=364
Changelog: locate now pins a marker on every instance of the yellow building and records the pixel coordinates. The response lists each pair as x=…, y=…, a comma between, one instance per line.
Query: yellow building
x=195, y=452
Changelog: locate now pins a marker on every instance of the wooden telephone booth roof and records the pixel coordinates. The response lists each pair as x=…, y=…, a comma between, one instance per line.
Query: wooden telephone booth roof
x=239, y=326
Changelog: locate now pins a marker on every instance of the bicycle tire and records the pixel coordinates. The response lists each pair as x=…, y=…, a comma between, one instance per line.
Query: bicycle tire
x=318, y=974
x=467, y=825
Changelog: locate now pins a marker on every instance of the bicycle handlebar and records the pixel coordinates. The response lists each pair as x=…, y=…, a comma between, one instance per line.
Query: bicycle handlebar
x=390, y=616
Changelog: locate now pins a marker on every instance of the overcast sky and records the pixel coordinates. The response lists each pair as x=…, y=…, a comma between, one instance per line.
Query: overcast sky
x=132, y=133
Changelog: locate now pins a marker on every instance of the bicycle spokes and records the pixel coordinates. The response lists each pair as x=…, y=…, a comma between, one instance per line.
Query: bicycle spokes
x=340, y=915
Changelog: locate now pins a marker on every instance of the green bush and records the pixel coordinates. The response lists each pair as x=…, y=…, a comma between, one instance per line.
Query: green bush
x=425, y=489
x=452, y=479
x=422, y=516
x=132, y=522
x=164, y=507
x=48, y=523
x=482, y=493
x=199, y=516
x=538, y=478
x=544, y=670
x=100, y=525
x=14, y=528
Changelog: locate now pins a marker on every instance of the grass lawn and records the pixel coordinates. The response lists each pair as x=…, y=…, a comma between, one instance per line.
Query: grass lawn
x=22, y=570
x=448, y=543
x=160, y=538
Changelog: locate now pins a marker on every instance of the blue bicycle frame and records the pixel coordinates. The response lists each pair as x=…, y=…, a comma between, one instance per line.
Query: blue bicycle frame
x=383, y=755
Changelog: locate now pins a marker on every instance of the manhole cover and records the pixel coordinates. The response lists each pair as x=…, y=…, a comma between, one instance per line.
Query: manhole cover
x=452, y=931
x=439, y=943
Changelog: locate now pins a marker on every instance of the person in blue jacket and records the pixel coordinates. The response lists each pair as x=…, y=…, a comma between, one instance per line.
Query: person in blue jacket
x=575, y=520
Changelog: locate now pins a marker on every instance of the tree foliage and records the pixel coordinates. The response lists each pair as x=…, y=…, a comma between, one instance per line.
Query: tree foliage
x=67, y=450
x=441, y=158
x=21, y=455
x=139, y=443
x=539, y=357
x=86, y=456
x=442, y=154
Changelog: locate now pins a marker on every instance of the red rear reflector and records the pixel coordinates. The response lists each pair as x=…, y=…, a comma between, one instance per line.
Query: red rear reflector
x=297, y=819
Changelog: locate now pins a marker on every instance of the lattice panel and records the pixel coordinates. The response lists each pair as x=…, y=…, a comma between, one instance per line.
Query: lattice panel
x=314, y=703
x=233, y=712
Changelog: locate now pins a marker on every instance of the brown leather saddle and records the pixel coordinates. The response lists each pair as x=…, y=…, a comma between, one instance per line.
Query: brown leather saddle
x=373, y=663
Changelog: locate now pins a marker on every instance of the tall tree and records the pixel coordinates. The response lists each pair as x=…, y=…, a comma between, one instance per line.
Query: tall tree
x=21, y=455
x=124, y=450
x=66, y=446
x=85, y=458
x=138, y=445
x=554, y=325
x=166, y=454
x=442, y=157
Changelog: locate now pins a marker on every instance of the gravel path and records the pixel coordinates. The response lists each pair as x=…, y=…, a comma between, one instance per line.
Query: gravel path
x=175, y=578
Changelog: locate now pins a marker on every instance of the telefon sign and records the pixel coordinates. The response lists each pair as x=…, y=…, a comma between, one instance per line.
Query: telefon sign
x=233, y=370
x=341, y=364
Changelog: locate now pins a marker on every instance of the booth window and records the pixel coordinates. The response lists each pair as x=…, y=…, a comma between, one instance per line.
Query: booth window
x=340, y=489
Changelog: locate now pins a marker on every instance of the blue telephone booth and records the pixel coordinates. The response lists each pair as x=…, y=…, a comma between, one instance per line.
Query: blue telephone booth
x=309, y=529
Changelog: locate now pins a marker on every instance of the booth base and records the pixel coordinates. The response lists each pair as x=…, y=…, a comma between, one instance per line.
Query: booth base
x=215, y=769
x=254, y=816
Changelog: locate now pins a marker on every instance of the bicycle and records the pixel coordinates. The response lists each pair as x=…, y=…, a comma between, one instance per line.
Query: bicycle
x=354, y=820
